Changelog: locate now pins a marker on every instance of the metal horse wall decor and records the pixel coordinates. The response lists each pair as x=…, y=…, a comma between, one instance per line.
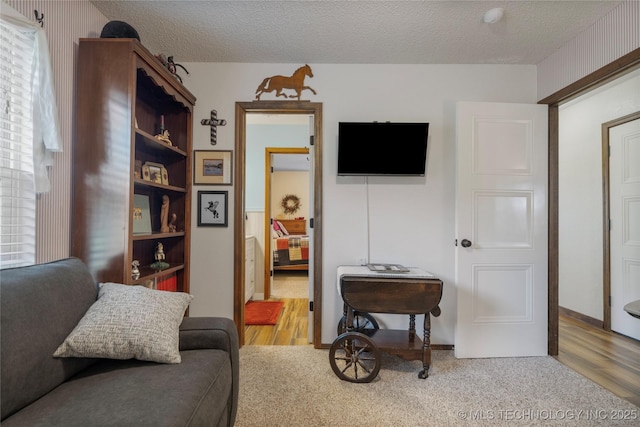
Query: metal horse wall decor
x=279, y=83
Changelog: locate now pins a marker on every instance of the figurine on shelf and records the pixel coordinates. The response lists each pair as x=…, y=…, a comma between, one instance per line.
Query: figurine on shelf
x=171, y=65
x=164, y=137
x=159, y=257
x=135, y=272
x=164, y=215
x=172, y=223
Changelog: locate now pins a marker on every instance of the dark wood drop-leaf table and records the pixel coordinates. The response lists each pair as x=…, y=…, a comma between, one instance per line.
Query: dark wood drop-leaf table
x=356, y=352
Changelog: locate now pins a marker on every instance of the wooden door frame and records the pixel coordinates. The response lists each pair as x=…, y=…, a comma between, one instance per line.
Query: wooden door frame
x=615, y=69
x=606, y=215
x=267, y=209
x=276, y=107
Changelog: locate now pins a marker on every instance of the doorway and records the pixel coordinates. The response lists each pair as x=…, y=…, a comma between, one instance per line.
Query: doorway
x=287, y=179
x=621, y=141
x=315, y=218
x=621, y=66
x=584, y=230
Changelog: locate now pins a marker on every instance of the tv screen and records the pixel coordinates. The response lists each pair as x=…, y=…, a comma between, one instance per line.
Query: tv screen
x=382, y=148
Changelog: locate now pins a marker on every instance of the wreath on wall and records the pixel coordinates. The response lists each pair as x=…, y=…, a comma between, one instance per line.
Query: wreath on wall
x=290, y=204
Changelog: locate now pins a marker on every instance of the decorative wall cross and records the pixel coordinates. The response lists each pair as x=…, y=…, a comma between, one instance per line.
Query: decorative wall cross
x=214, y=123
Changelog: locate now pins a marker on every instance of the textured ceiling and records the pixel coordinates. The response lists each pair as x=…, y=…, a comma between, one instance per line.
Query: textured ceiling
x=356, y=32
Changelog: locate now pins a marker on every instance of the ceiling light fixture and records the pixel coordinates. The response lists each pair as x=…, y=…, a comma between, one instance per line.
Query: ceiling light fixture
x=494, y=15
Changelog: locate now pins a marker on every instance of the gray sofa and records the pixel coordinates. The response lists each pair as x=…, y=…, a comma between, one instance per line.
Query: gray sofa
x=41, y=305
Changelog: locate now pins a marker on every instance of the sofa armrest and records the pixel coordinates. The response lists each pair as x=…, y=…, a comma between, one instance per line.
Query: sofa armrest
x=215, y=333
x=208, y=332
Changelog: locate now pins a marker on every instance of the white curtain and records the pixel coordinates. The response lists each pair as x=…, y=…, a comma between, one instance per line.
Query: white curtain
x=29, y=133
x=46, y=128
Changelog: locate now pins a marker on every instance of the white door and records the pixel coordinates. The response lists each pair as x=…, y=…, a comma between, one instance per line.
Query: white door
x=310, y=231
x=624, y=196
x=501, y=230
x=268, y=238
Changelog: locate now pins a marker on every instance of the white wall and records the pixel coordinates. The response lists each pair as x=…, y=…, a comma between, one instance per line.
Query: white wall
x=411, y=219
x=290, y=182
x=580, y=190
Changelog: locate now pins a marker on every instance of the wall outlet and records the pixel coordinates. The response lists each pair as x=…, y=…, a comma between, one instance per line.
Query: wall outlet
x=362, y=261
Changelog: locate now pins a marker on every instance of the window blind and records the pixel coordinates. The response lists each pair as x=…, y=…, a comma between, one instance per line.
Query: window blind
x=17, y=188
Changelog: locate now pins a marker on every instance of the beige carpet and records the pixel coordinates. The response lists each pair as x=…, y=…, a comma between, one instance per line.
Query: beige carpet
x=295, y=386
x=290, y=285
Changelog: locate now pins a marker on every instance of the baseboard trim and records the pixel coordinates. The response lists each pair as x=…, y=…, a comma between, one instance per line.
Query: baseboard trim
x=581, y=317
x=442, y=347
x=433, y=346
x=258, y=296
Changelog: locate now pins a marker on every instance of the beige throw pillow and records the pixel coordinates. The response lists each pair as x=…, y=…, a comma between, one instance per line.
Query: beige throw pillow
x=129, y=322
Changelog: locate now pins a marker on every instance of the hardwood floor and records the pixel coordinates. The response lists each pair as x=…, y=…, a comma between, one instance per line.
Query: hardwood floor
x=606, y=358
x=292, y=327
x=291, y=287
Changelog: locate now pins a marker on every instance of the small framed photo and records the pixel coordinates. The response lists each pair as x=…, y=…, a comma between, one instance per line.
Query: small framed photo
x=155, y=174
x=146, y=175
x=137, y=169
x=212, y=208
x=212, y=167
x=165, y=175
x=141, y=215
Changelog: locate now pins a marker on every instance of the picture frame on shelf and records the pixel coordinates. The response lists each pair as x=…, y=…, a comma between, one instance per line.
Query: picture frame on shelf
x=141, y=214
x=212, y=167
x=165, y=175
x=212, y=208
x=157, y=173
x=146, y=175
x=137, y=169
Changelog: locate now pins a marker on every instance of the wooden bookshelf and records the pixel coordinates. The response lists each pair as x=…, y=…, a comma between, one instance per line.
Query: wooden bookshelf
x=124, y=94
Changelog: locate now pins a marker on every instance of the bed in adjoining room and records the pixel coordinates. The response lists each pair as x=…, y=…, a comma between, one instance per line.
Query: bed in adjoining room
x=290, y=245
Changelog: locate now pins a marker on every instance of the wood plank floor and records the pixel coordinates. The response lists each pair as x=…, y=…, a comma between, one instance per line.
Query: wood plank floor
x=606, y=358
x=291, y=329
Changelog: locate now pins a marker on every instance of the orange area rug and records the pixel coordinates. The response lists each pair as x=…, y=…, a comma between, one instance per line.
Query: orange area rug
x=262, y=312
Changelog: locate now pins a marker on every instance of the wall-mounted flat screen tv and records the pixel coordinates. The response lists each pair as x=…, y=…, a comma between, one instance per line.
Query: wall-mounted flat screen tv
x=382, y=148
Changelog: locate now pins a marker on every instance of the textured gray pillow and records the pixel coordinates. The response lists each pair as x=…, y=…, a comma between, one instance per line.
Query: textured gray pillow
x=129, y=322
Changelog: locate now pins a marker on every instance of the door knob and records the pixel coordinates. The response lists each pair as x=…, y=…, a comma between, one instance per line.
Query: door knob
x=465, y=243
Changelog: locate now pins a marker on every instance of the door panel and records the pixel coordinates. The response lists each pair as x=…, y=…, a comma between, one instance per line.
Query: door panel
x=515, y=147
x=502, y=293
x=624, y=190
x=503, y=220
x=501, y=210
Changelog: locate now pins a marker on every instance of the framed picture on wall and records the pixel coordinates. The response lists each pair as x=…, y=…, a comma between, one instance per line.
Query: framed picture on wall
x=212, y=167
x=212, y=208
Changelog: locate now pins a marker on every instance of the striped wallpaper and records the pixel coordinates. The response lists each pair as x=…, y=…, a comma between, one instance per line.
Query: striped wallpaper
x=611, y=37
x=64, y=23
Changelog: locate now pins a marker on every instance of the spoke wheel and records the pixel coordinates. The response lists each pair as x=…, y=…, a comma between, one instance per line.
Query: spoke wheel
x=361, y=322
x=354, y=357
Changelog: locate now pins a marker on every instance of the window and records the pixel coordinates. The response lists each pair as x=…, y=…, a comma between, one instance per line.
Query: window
x=17, y=186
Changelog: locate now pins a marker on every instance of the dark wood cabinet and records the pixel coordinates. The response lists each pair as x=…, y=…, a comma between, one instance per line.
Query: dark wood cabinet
x=124, y=95
x=294, y=226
